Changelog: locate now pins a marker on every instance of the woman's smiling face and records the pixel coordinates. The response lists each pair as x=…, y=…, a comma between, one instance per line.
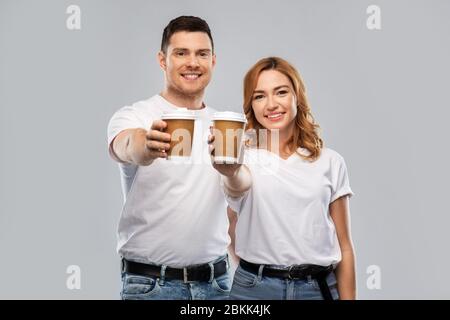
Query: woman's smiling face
x=274, y=102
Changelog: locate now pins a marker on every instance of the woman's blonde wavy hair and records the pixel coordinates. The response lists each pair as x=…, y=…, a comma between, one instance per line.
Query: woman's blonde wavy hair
x=305, y=130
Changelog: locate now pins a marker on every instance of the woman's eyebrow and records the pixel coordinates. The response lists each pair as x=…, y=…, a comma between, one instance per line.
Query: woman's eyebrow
x=274, y=89
x=279, y=87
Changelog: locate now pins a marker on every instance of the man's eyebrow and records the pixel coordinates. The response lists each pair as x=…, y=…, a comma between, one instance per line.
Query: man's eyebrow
x=274, y=89
x=186, y=49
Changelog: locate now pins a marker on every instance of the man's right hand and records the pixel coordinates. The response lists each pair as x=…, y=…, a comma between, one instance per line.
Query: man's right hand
x=141, y=147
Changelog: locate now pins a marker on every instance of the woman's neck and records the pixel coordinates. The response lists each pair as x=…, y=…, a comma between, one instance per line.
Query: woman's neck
x=278, y=142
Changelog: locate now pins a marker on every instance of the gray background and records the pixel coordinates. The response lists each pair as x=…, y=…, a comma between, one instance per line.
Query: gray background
x=381, y=98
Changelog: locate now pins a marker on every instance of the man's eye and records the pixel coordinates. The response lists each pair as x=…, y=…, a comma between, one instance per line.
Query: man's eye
x=180, y=53
x=204, y=54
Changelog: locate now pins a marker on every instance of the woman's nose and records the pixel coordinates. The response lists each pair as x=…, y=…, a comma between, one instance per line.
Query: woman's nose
x=271, y=103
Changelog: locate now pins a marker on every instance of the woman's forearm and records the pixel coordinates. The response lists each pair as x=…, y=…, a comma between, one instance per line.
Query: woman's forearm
x=345, y=275
x=239, y=183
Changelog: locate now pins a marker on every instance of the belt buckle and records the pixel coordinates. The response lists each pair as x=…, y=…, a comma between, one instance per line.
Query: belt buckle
x=185, y=276
x=300, y=268
x=290, y=271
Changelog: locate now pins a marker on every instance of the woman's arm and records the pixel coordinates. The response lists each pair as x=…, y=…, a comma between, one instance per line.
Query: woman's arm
x=345, y=271
x=238, y=183
x=236, y=177
x=232, y=217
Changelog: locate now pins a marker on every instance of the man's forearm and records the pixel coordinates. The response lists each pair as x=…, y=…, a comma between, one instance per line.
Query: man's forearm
x=129, y=147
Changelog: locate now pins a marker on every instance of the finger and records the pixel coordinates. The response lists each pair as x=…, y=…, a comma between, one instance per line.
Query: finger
x=159, y=154
x=158, y=125
x=157, y=146
x=158, y=136
x=211, y=129
x=211, y=139
x=154, y=153
x=211, y=154
x=211, y=149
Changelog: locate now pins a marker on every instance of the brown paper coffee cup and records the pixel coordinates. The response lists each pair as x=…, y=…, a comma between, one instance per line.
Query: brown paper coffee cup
x=180, y=126
x=228, y=131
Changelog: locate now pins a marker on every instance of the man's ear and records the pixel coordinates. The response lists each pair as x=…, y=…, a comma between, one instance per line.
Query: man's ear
x=214, y=60
x=162, y=60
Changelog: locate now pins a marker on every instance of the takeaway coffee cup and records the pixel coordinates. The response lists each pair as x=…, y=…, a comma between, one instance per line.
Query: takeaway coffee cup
x=180, y=126
x=228, y=131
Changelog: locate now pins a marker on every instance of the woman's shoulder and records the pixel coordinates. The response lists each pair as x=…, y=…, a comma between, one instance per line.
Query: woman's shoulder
x=332, y=154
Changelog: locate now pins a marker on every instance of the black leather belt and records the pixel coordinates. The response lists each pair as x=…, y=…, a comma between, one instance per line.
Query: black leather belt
x=301, y=272
x=295, y=272
x=200, y=272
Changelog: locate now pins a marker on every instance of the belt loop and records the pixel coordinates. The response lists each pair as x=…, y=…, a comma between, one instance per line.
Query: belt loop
x=260, y=271
x=227, y=261
x=211, y=277
x=122, y=265
x=162, y=275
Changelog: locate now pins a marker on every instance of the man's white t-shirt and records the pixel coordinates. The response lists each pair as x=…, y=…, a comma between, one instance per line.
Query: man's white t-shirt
x=174, y=213
x=284, y=218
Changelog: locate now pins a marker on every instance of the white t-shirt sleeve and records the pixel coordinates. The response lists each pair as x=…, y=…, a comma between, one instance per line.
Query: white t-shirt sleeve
x=340, y=182
x=235, y=203
x=125, y=118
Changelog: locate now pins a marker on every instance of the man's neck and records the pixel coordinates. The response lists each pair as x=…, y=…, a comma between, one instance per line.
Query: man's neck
x=194, y=102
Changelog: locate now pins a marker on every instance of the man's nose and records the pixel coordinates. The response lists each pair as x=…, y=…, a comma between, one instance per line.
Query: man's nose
x=193, y=61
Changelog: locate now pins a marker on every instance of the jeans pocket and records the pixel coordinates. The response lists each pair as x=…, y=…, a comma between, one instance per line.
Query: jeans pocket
x=134, y=285
x=332, y=285
x=244, y=278
x=222, y=283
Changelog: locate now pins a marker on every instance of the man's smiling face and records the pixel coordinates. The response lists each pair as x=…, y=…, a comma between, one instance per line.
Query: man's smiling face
x=188, y=63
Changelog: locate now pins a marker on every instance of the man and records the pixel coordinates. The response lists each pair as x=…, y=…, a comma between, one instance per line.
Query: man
x=172, y=233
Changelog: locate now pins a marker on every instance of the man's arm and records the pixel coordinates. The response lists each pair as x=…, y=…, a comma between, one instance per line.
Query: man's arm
x=139, y=146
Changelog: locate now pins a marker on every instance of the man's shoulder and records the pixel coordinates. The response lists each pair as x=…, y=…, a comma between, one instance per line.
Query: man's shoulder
x=148, y=106
x=153, y=102
x=211, y=109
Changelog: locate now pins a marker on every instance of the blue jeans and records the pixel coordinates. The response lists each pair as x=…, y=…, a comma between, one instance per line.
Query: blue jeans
x=137, y=287
x=250, y=286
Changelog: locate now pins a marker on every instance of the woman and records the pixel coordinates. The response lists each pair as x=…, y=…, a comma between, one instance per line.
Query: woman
x=290, y=195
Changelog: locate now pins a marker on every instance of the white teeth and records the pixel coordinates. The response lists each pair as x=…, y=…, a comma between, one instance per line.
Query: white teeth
x=274, y=115
x=191, y=76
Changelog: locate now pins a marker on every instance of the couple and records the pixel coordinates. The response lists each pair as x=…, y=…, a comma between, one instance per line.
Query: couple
x=289, y=227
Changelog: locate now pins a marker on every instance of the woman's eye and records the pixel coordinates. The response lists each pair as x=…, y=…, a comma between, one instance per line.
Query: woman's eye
x=282, y=92
x=257, y=97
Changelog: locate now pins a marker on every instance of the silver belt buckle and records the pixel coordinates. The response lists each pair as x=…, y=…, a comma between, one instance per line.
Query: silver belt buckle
x=290, y=271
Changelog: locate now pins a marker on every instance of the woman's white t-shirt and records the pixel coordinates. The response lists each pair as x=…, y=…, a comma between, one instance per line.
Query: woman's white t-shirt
x=284, y=218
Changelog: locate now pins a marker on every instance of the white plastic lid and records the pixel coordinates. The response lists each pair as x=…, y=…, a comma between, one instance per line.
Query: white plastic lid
x=180, y=114
x=229, y=115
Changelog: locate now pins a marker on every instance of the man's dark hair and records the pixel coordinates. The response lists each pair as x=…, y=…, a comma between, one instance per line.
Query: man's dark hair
x=184, y=23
